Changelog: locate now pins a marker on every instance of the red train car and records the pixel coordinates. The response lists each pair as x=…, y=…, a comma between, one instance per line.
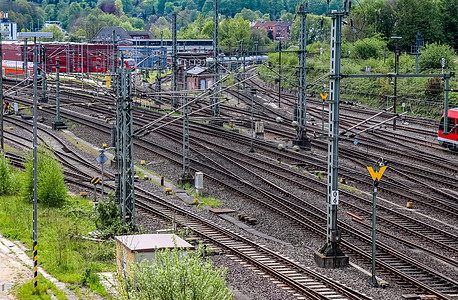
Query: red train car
x=73, y=57
x=449, y=139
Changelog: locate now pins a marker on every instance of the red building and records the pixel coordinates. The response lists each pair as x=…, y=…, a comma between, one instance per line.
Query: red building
x=280, y=30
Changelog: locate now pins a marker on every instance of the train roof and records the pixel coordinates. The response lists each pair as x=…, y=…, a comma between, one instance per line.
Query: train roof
x=453, y=113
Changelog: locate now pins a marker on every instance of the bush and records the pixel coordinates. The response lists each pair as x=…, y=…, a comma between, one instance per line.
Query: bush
x=369, y=48
x=5, y=174
x=108, y=220
x=431, y=57
x=50, y=179
x=177, y=275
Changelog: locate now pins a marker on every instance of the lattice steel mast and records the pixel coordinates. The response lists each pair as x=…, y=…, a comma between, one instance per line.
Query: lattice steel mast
x=330, y=255
x=301, y=110
x=214, y=101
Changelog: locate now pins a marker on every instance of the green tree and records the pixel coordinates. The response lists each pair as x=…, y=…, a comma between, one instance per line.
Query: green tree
x=248, y=14
x=431, y=57
x=449, y=13
x=57, y=33
x=161, y=6
x=176, y=275
x=51, y=189
x=413, y=16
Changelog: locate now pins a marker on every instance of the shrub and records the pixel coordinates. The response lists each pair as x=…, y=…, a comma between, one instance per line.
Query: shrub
x=50, y=179
x=176, y=275
x=5, y=174
x=369, y=48
x=108, y=220
x=431, y=57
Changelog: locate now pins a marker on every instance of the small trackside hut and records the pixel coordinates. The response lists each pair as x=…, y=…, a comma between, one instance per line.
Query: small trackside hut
x=132, y=249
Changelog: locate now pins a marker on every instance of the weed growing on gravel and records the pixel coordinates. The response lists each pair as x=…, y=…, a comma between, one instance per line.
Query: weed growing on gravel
x=27, y=291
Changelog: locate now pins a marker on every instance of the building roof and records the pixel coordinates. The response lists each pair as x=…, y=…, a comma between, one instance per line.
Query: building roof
x=152, y=242
x=196, y=70
x=106, y=34
x=141, y=33
x=266, y=24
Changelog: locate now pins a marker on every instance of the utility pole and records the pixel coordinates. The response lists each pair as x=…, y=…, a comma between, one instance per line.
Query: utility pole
x=44, y=83
x=214, y=101
x=35, y=150
x=186, y=176
x=396, y=79
x=26, y=58
x=58, y=124
x=330, y=255
x=1, y=89
x=301, y=110
x=418, y=52
x=113, y=53
x=125, y=146
x=159, y=72
x=174, y=60
x=279, y=72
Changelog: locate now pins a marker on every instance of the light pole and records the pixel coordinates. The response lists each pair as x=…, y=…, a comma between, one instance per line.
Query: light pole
x=35, y=148
x=253, y=93
x=279, y=69
x=82, y=54
x=243, y=57
x=1, y=88
x=396, y=60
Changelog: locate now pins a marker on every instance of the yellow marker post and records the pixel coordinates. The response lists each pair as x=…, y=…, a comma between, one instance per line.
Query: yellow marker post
x=323, y=97
x=376, y=176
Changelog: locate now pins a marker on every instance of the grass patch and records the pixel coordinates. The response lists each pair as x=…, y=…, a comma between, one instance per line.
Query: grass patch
x=41, y=292
x=82, y=146
x=61, y=250
x=350, y=188
x=206, y=201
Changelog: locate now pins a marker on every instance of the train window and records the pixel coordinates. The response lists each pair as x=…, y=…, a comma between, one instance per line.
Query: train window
x=451, y=122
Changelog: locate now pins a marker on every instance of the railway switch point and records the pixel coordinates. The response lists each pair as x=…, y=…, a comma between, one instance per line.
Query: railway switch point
x=409, y=205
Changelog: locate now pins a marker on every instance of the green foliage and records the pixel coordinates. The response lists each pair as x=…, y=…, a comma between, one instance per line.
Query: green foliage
x=58, y=34
x=107, y=220
x=176, y=275
x=369, y=48
x=431, y=56
x=62, y=251
x=91, y=279
x=51, y=189
x=6, y=179
x=27, y=291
